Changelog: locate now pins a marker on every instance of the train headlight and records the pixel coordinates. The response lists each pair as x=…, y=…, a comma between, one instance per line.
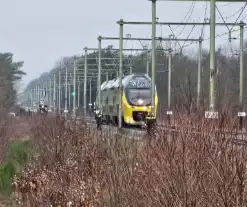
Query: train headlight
x=140, y=101
x=144, y=108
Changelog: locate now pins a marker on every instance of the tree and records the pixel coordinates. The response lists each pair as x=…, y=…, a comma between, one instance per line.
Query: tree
x=10, y=74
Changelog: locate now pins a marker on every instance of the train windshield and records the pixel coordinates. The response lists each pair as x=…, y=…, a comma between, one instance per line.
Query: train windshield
x=141, y=97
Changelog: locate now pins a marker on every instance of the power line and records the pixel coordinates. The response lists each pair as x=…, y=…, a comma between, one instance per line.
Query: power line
x=226, y=4
x=216, y=36
x=232, y=15
x=188, y=13
x=229, y=39
x=193, y=3
x=205, y=19
x=189, y=35
x=240, y=13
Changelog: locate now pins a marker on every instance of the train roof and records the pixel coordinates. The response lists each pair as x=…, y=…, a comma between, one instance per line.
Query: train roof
x=114, y=83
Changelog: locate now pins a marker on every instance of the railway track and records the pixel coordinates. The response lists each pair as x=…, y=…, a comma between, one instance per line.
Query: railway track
x=237, y=137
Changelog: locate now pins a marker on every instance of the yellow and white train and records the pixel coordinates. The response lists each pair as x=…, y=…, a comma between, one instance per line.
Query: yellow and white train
x=136, y=99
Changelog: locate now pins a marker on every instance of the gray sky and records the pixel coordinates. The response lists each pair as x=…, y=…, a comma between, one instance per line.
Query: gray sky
x=41, y=32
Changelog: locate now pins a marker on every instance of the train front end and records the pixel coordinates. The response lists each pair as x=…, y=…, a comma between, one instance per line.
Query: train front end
x=137, y=100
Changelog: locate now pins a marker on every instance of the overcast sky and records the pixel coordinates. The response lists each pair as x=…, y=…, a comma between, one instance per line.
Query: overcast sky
x=41, y=32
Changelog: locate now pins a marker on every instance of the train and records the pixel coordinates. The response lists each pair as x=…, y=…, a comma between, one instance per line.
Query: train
x=136, y=100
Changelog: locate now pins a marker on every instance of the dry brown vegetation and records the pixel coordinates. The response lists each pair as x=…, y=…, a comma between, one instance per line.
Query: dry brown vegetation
x=81, y=167
x=10, y=129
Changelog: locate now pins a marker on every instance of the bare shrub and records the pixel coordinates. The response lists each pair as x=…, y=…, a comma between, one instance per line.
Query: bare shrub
x=66, y=167
x=77, y=165
x=191, y=169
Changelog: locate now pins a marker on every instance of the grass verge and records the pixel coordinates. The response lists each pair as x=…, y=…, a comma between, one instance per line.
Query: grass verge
x=18, y=155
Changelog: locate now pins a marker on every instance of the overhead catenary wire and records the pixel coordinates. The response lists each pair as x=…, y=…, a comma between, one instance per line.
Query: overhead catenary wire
x=204, y=20
x=229, y=30
x=202, y=30
x=188, y=13
x=242, y=10
x=192, y=9
x=216, y=36
x=239, y=10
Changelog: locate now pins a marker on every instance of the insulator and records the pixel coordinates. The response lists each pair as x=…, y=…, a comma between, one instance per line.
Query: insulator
x=230, y=36
x=181, y=52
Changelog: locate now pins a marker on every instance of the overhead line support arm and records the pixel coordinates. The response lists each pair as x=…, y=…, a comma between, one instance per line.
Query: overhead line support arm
x=126, y=49
x=185, y=23
x=149, y=39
